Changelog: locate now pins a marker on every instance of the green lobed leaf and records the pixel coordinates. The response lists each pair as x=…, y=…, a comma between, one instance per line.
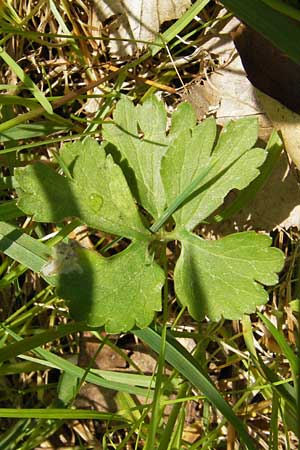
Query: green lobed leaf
x=139, y=134
x=98, y=193
x=234, y=165
x=117, y=292
x=184, y=117
x=247, y=195
x=222, y=278
x=69, y=153
x=222, y=275
x=186, y=157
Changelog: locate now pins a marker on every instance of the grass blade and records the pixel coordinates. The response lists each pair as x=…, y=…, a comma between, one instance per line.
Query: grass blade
x=284, y=8
x=30, y=343
x=23, y=248
x=179, y=25
x=9, y=210
x=181, y=198
x=28, y=83
x=80, y=373
x=181, y=360
x=31, y=130
x=285, y=348
x=274, y=26
x=57, y=413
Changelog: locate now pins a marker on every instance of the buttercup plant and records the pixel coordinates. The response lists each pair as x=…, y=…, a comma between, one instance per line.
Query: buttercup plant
x=179, y=176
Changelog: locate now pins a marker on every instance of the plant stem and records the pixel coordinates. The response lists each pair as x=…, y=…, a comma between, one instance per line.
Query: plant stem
x=156, y=406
